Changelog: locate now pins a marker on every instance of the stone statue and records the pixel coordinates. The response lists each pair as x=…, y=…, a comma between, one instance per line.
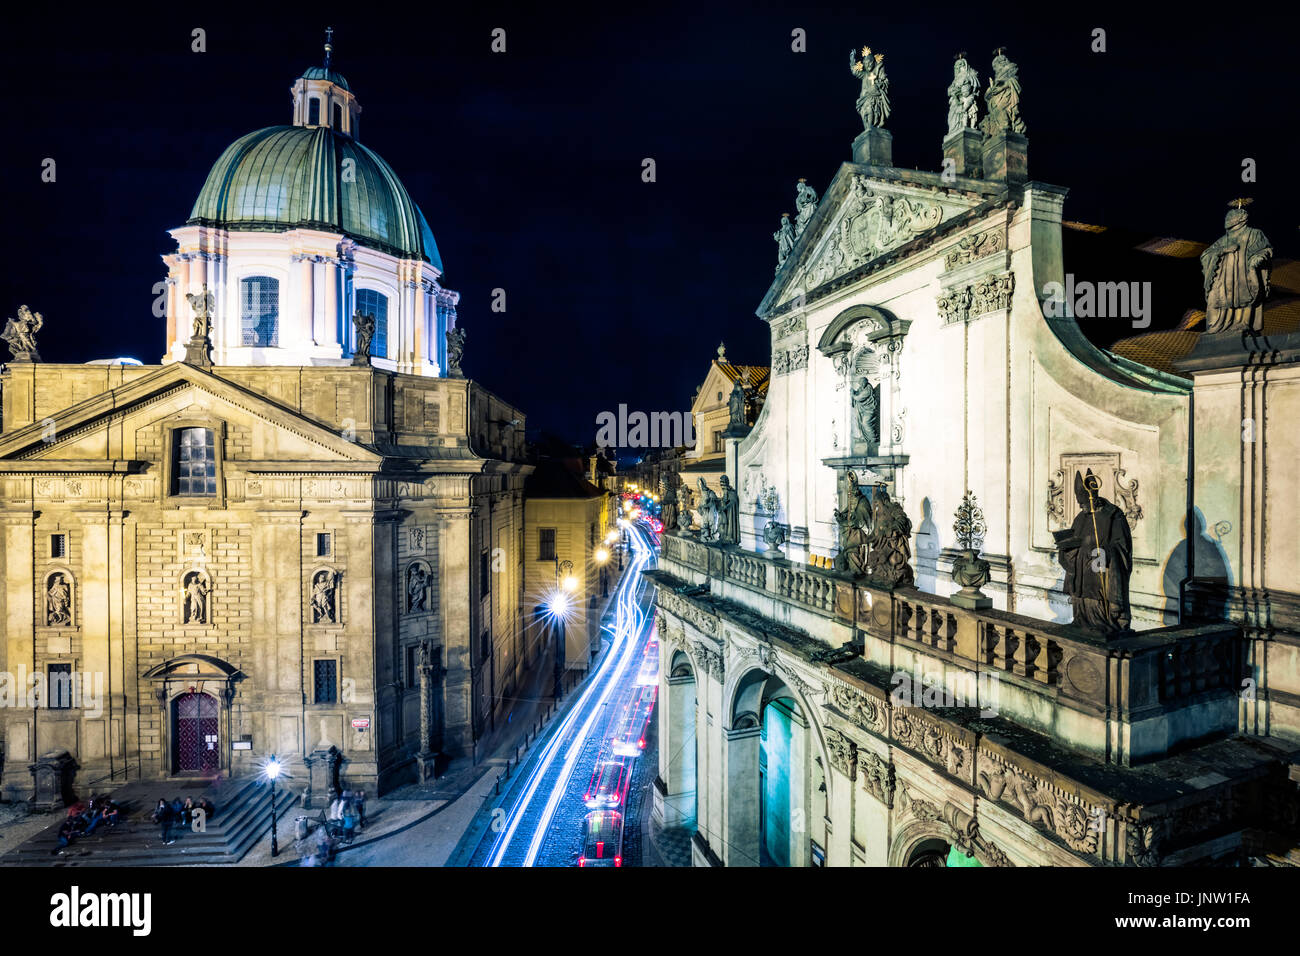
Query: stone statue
x=1236, y=270
x=322, y=598
x=873, y=101
x=1097, y=554
x=668, y=500
x=20, y=334
x=365, y=329
x=58, y=602
x=784, y=237
x=416, y=589
x=889, y=546
x=728, y=513
x=854, y=522
x=684, y=517
x=866, y=407
x=963, y=97
x=196, y=598
x=708, y=510
x=455, y=351
x=737, y=407
x=204, y=304
x=1003, y=98
x=805, y=201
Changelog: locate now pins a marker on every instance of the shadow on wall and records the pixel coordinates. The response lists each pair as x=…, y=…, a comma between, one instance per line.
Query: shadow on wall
x=1209, y=563
x=928, y=547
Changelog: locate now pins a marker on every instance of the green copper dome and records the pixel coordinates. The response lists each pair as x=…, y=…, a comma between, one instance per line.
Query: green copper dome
x=289, y=177
x=325, y=73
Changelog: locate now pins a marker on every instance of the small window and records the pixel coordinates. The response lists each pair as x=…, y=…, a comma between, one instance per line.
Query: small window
x=323, y=544
x=338, y=117
x=58, y=546
x=717, y=441
x=545, y=544
x=313, y=111
x=371, y=302
x=59, y=686
x=259, y=311
x=195, y=459
x=484, y=573
x=325, y=682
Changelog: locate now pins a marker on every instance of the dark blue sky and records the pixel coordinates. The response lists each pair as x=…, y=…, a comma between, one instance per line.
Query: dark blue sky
x=528, y=164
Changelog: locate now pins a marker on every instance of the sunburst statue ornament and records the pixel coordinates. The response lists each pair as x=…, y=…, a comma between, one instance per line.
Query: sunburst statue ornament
x=873, y=101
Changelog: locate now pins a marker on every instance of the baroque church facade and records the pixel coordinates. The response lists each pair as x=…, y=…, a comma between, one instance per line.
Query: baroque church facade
x=298, y=534
x=887, y=711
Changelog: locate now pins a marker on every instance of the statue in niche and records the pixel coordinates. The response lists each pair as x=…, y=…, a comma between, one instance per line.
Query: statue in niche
x=963, y=97
x=728, y=522
x=455, y=351
x=1003, y=98
x=854, y=523
x=805, y=202
x=708, y=510
x=873, y=101
x=866, y=408
x=365, y=329
x=20, y=334
x=196, y=598
x=1236, y=271
x=1097, y=554
x=889, y=546
x=784, y=237
x=323, y=588
x=58, y=602
x=417, y=589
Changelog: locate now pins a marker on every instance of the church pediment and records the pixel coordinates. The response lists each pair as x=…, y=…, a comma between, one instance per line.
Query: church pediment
x=864, y=217
x=118, y=425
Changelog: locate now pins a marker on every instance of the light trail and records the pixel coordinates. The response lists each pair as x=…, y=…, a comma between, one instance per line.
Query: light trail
x=629, y=619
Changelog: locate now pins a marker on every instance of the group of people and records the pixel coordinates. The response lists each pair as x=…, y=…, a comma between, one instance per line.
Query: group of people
x=346, y=814
x=175, y=813
x=83, y=818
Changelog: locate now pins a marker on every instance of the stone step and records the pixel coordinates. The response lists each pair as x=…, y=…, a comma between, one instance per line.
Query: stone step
x=237, y=826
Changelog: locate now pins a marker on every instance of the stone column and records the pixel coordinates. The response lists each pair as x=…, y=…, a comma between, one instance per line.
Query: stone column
x=307, y=300
x=677, y=748
x=430, y=673
x=741, y=799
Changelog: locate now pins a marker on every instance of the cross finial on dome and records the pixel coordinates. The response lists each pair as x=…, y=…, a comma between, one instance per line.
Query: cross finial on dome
x=329, y=45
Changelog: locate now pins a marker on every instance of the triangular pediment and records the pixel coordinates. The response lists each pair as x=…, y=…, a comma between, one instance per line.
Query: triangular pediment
x=866, y=214
x=116, y=425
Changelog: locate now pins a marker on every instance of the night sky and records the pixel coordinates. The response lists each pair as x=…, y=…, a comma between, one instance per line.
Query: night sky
x=528, y=164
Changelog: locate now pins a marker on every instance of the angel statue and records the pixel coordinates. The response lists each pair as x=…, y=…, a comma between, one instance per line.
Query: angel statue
x=873, y=101
x=455, y=351
x=20, y=334
x=1003, y=97
x=365, y=329
x=963, y=97
x=204, y=304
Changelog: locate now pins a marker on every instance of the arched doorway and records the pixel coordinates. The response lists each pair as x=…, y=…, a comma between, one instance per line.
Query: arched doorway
x=196, y=734
x=936, y=852
x=767, y=775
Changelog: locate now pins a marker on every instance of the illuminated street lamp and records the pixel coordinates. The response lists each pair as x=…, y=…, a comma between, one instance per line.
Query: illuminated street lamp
x=273, y=770
x=557, y=607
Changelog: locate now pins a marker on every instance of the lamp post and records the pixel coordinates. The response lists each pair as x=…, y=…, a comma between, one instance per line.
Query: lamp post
x=272, y=772
x=565, y=582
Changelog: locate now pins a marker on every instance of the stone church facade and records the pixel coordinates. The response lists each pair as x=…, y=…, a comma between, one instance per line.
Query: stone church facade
x=285, y=538
x=912, y=353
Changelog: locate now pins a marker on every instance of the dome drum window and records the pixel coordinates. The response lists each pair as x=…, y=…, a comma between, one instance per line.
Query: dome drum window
x=372, y=302
x=259, y=311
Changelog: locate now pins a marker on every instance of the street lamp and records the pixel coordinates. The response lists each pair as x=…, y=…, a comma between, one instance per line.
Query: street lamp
x=273, y=770
x=558, y=606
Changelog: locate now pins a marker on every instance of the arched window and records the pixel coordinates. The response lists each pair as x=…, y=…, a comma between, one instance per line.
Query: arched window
x=259, y=311
x=195, y=458
x=372, y=302
x=338, y=117
x=313, y=111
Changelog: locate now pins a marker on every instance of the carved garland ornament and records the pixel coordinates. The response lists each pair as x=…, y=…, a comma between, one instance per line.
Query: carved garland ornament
x=972, y=248
x=989, y=294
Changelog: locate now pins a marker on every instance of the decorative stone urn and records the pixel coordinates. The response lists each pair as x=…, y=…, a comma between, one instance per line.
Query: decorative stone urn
x=774, y=536
x=968, y=569
x=972, y=573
